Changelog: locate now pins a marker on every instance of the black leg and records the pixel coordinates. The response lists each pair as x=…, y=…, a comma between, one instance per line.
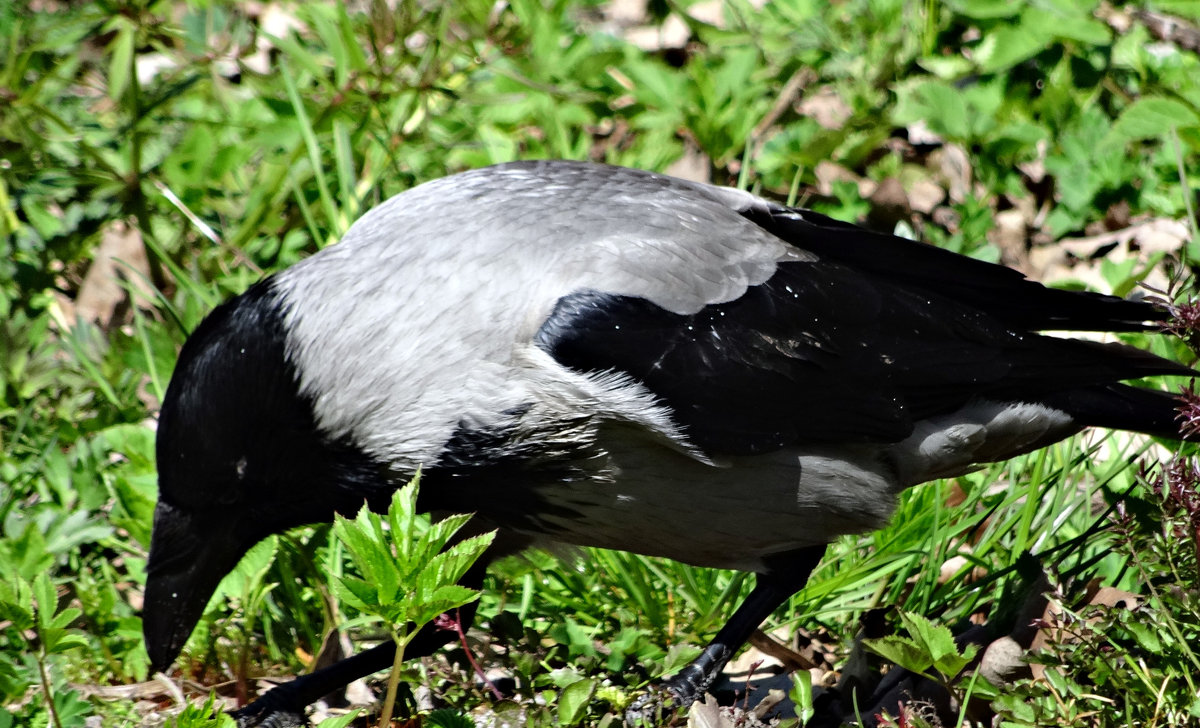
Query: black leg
x=787, y=574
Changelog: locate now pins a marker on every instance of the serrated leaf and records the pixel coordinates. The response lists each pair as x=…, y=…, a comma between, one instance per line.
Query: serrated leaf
x=401, y=515
x=47, y=600
x=950, y=665
x=356, y=592
x=938, y=104
x=453, y=595
x=450, y=565
x=65, y=617
x=63, y=642
x=935, y=638
x=901, y=651
x=1153, y=117
x=439, y=534
x=365, y=541
x=574, y=700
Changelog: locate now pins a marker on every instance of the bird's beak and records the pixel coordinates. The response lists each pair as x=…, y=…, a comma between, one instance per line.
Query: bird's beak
x=188, y=558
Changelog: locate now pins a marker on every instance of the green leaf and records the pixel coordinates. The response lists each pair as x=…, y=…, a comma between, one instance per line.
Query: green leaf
x=444, y=718
x=438, y=535
x=47, y=600
x=947, y=68
x=802, y=695
x=16, y=602
x=340, y=721
x=63, y=642
x=64, y=618
x=368, y=547
x=937, y=103
x=120, y=62
x=986, y=9
x=1007, y=46
x=574, y=700
x=1146, y=636
x=936, y=638
x=402, y=518
x=451, y=596
x=902, y=651
x=1153, y=117
x=1186, y=8
x=356, y=592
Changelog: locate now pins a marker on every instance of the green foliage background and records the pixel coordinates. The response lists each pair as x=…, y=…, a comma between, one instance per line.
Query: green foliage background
x=235, y=139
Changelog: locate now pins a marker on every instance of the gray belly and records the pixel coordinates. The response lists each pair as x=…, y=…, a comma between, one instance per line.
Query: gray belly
x=656, y=501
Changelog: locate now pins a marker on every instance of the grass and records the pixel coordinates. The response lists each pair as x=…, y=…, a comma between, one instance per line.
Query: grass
x=256, y=141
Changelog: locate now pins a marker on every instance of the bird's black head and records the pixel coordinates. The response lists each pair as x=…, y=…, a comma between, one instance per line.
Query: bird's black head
x=240, y=457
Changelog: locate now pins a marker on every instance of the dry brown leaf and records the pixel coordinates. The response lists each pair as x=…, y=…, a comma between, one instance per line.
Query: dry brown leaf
x=825, y=107
x=120, y=258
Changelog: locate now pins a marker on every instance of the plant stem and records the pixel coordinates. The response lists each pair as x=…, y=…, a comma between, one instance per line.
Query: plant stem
x=46, y=690
x=389, y=701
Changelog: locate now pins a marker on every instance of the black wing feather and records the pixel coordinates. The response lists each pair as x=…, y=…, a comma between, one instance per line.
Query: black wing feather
x=831, y=351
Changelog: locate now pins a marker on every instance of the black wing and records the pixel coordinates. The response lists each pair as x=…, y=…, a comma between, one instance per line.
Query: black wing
x=854, y=347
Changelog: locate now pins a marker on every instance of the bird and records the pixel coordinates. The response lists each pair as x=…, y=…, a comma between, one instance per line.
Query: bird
x=593, y=355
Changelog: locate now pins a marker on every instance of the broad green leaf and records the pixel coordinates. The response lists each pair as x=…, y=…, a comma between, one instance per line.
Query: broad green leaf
x=950, y=665
x=63, y=642
x=938, y=104
x=936, y=638
x=1006, y=46
x=368, y=547
x=902, y=651
x=341, y=721
x=802, y=695
x=64, y=618
x=573, y=701
x=251, y=570
x=1145, y=635
x=47, y=600
x=1153, y=117
x=1186, y=8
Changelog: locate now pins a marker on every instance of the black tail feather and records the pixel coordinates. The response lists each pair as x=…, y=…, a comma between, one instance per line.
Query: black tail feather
x=1003, y=292
x=1122, y=407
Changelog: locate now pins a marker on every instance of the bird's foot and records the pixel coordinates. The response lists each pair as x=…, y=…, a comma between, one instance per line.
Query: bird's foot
x=664, y=700
x=276, y=709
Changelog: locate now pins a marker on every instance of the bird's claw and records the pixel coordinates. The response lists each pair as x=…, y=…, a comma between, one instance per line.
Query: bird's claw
x=663, y=701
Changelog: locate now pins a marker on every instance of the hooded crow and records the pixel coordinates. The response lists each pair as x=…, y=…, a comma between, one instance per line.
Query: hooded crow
x=599, y=356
